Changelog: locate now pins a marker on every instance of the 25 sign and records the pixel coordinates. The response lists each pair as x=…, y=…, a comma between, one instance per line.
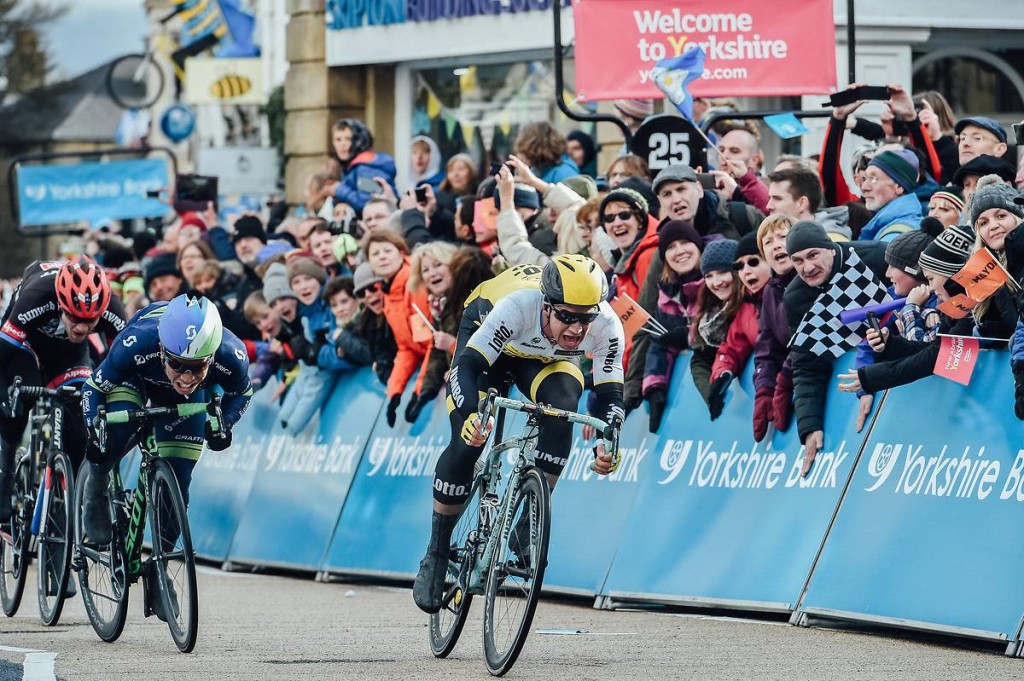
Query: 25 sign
x=665, y=140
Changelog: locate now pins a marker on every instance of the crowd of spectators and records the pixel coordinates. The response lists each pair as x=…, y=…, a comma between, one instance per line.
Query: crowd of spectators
x=376, y=275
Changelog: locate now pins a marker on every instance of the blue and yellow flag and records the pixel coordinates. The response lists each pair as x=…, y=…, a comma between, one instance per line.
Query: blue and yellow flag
x=673, y=75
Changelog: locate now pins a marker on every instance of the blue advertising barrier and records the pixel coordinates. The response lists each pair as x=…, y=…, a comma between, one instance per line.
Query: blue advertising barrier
x=301, y=483
x=385, y=524
x=721, y=520
x=222, y=480
x=54, y=194
x=928, y=533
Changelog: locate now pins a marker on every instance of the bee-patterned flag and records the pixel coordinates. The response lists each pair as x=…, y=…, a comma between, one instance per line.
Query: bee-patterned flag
x=852, y=286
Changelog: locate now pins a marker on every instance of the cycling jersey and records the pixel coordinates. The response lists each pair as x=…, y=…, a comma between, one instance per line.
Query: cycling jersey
x=33, y=321
x=505, y=316
x=134, y=360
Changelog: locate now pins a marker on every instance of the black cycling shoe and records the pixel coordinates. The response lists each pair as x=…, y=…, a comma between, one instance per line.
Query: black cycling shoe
x=428, y=589
x=96, y=510
x=157, y=603
x=6, y=490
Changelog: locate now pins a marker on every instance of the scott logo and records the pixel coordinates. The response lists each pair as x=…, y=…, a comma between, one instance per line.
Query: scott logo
x=883, y=460
x=239, y=354
x=190, y=332
x=129, y=341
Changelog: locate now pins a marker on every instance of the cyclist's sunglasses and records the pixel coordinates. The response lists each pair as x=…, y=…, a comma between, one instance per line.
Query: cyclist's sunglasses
x=609, y=218
x=570, y=318
x=752, y=261
x=184, y=366
x=80, y=320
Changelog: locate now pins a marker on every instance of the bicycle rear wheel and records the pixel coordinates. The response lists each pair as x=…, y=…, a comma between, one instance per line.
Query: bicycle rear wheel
x=446, y=624
x=173, y=560
x=516, y=572
x=102, y=573
x=15, y=538
x=55, y=540
x=135, y=81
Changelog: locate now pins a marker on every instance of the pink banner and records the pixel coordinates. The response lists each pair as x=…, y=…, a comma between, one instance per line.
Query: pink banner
x=755, y=48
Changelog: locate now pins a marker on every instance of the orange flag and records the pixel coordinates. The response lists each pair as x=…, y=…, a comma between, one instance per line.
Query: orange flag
x=957, y=307
x=982, y=276
x=630, y=314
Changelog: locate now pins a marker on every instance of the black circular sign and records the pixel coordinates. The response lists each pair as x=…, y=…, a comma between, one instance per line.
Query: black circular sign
x=664, y=140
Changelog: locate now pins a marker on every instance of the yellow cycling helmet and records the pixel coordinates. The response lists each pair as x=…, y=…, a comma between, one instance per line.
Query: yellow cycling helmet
x=573, y=279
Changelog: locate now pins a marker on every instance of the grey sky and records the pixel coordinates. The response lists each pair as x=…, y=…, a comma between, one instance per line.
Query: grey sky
x=94, y=32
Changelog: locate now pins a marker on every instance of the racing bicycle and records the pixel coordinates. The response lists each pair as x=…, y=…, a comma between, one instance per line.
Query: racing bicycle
x=499, y=546
x=105, y=572
x=41, y=517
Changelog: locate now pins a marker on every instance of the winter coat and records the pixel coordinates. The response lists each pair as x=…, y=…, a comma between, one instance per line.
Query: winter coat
x=732, y=355
x=676, y=304
x=894, y=218
x=566, y=168
x=374, y=332
x=367, y=165
x=772, y=346
x=812, y=373
x=398, y=310
x=751, y=189
x=631, y=270
x=310, y=390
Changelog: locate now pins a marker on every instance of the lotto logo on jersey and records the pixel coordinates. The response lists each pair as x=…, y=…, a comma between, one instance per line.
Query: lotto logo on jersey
x=500, y=337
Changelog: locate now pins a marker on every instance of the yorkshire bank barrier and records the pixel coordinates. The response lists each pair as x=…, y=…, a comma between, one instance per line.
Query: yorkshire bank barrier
x=928, y=534
x=723, y=520
x=910, y=524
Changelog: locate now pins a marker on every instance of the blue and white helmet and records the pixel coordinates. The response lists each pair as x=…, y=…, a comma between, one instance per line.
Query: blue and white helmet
x=190, y=328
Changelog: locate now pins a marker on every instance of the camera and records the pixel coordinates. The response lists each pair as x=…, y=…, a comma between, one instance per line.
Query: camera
x=350, y=225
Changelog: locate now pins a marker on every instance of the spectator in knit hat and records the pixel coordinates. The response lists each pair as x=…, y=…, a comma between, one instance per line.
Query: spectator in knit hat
x=370, y=323
x=752, y=273
x=518, y=205
x=946, y=205
x=192, y=228
x=272, y=355
x=163, y=279
x=917, y=319
x=898, y=360
x=680, y=248
x=248, y=238
x=889, y=183
x=582, y=148
x=718, y=300
x=278, y=294
x=825, y=270
x=994, y=216
x=977, y=136
x=623, y=213
x=969, y=173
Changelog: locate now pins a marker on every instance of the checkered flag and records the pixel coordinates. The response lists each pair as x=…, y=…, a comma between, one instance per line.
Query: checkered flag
x=853, y=286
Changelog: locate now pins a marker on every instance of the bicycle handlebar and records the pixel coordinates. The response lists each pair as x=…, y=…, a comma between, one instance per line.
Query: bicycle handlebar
x=150, y=413
x=63, y=392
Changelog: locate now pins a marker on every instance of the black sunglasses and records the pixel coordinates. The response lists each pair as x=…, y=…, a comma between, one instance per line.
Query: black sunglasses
x=752, y=261
x=609, y=218
x=80, y=320
x=376, y=286
x=569, y=317
x=181, y=366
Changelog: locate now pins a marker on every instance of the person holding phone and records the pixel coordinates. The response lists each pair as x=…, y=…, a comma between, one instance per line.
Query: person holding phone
x=361, y=169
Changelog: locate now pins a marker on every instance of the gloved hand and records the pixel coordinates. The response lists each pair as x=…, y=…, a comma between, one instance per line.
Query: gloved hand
x=656, y=399
x=393, y=410
x=716, y=394
x=762, y=412
x=1018, y=389
x=632, y=402
x=782, y=402
x=678, y=337
x=218, y=440
x=415, y=406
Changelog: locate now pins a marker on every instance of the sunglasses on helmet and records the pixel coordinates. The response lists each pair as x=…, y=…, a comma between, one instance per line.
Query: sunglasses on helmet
x=570, y=317
x=186, y=366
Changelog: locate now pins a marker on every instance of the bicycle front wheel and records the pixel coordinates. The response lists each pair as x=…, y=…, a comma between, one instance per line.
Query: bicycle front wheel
x=102, y=572
x=173, y=559
x=55, y=539
x=135, y=81
x=15, y=538
x=517, y=572
x=446, y=624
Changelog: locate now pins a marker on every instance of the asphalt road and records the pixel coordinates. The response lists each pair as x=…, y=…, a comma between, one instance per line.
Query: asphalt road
x=273, y=627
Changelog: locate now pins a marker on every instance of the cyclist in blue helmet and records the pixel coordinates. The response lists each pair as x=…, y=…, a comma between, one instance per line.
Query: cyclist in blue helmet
x=169, y=353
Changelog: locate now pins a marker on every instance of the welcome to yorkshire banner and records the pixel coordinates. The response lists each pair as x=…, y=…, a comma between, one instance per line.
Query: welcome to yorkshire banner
x=755, y=48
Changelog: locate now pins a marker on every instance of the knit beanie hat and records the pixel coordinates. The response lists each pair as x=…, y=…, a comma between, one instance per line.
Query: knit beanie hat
x=192, y=219
x=524, y=196
x=904, y=251
x=807, y=234
x=634, y=108
x=305, y=264
x=344, y=245
x=633, y=199
x=275, y=283
x=949, y=251
x=671, y=231
x=160, y=265
x=747, y=245
x=584, y=185
x=992, y=192
x=249, y=225
x=953, y=195
x=901, y=166
x=718, y=256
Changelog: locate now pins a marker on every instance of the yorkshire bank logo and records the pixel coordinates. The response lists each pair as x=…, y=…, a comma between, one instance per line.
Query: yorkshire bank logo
x=699, y=463
x=968, y=473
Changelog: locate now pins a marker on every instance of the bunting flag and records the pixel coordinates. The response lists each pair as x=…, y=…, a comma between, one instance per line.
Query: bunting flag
x=673, y=76
x=957, y=307
x=958, y=355
x=632, y=316
x=983, y=275
x=433, y=104
x=852, y=286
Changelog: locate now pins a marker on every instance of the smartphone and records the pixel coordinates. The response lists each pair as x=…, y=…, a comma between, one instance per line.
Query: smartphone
x=707, y=180
x=421, y=195
x=194, y=192
x=844, y=97
x=368, y=185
